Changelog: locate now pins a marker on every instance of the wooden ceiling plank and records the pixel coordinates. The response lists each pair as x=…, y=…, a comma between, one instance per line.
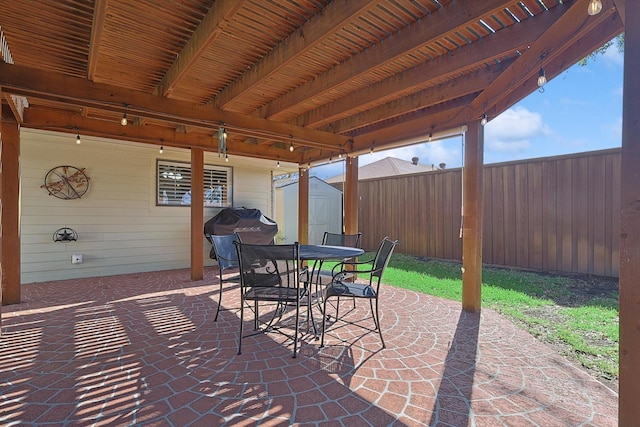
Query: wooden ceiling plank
x=508, y=41
x=425, y=74
x=457, y=88
x=212, y=25
x=427, y=30
x=97, y=27
x=84, y=93
x=307, y=37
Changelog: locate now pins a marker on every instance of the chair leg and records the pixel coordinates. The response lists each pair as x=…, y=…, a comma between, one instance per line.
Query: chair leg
x=241, y=325
x=324, y=320
x=377, y=322
x=219, y=298
x=295, y=335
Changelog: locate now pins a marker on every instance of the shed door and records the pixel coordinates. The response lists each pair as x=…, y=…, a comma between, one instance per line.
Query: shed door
x=318, y=215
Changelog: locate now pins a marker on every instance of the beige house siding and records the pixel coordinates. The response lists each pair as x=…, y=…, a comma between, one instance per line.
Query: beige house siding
x=120, y=228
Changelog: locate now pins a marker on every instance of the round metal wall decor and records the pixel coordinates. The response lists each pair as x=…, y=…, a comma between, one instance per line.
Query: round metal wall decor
x=66, y=182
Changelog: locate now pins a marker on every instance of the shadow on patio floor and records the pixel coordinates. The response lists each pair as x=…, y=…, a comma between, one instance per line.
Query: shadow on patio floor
x=143, y=349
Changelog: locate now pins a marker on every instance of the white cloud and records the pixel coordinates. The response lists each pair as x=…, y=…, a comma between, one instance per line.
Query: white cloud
x=513, y=130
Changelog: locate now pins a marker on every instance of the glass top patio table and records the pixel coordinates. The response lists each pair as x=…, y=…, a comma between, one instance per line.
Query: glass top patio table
x=324, y=252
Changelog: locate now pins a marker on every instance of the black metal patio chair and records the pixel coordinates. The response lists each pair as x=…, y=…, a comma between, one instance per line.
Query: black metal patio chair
x=270, y=276
x=227, y=257
x=370, y=290
x=335, y=239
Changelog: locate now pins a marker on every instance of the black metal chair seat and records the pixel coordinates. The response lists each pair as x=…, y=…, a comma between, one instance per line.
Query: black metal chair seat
x=271, y=274
x=338, y=287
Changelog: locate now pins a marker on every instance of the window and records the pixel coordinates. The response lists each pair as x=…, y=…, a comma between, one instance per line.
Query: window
x=174, y=185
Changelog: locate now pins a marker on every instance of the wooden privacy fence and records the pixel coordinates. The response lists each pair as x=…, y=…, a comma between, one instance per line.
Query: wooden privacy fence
x=554, y=214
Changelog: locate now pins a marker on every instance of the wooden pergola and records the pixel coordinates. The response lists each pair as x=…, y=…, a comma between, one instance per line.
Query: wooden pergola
x=326, y=78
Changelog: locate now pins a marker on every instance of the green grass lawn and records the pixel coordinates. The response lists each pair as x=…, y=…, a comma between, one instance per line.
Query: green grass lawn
x=560, y=310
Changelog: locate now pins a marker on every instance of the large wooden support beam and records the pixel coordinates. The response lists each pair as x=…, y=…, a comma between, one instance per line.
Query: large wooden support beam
x=197, y=213
x=303, y=205
x=10, y=212
x=351, y=196
x=472, y=207
x=629, y=385
x=60, y=87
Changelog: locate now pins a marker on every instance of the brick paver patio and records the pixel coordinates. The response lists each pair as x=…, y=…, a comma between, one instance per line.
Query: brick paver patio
x=142, y=349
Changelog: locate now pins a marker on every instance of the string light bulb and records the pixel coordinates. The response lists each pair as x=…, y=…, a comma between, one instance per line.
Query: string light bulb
x=542, y=79
x=78, y=141
x=278, y=164
x=291, y=147
x=124, y=120
x=226, y=158
x=161, y=149
x=594, y=8
x=484, y=119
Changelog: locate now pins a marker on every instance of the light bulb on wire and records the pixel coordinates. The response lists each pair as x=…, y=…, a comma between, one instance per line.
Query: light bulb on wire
x=78, y=141
x=594, y=8
x=484, y=119
x=124, y=120
x=542, y=79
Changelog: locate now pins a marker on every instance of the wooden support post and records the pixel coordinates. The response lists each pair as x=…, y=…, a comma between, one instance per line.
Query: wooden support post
x=351, y=196
x=303, y=206
x=10, y=212
x=629, y=305
x=472, y=184
x=197, y=213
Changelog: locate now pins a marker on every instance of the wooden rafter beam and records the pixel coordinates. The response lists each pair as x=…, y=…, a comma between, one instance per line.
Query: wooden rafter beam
x=72, y=123
x=97, y=27
x=17, y=104
x=566, y=30
x=84, y=93
x=621, y=7
x=587, y=42
x=411, y=128
x=307, y=37
x=427, y=30
x=433, y=93
x=212, y=25
x=429, y=98
x=506, y=42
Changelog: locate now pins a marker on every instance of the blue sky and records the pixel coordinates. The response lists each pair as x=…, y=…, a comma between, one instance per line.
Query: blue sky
x=580, y=110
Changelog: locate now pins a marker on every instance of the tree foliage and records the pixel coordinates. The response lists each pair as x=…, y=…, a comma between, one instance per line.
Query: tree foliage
x=618, y=41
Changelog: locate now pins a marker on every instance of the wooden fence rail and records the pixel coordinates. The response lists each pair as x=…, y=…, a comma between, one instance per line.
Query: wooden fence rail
x=554, y=214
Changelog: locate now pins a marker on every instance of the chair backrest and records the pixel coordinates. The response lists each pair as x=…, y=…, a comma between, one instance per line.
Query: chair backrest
x=383, y=256
x=254, y=238
x=338, y=239
x=223, y=246
x=268, y=265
